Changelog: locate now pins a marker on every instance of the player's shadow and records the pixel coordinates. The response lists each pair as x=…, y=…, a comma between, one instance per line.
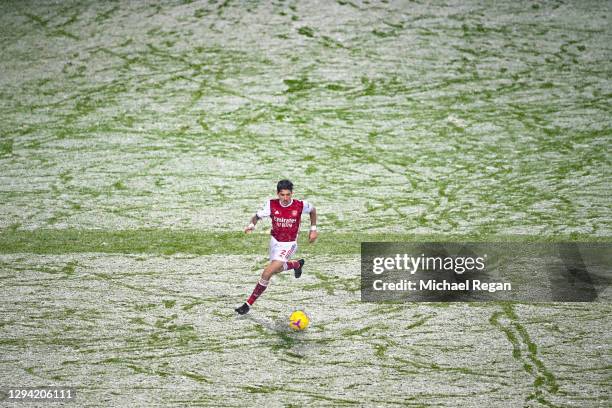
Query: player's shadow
x=571, y=281
x=271, y=325
x=284, y=338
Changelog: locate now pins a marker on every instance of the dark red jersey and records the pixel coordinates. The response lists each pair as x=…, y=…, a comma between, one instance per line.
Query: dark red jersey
x=285, y=220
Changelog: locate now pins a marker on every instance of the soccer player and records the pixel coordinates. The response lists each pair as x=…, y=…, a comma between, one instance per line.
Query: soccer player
x=286, y=214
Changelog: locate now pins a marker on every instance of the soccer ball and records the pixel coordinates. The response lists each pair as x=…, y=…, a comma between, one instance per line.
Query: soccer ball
x=298, y=320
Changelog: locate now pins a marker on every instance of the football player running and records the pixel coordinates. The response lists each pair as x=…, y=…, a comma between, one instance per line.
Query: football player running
x=286, y=213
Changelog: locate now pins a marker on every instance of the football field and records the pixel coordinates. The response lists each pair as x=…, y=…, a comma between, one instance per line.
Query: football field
x=137, y=138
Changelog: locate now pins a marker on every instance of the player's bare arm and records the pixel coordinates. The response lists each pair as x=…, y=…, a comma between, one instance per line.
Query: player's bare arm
x=312, y=236
x=249, y=228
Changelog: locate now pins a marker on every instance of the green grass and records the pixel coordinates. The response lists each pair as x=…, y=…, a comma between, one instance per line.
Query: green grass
x=156, y=241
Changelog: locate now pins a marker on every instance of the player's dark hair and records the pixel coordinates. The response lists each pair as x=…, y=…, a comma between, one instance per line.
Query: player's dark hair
x=284, y=185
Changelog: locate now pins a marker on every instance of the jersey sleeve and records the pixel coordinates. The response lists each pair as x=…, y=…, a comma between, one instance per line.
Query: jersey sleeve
x=264, y=211
x=307, y=207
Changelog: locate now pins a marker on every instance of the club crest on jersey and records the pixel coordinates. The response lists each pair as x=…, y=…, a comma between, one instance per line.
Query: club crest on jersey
x=294, y=213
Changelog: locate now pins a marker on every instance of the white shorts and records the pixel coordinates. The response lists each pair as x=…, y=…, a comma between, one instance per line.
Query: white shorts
x=282, y=251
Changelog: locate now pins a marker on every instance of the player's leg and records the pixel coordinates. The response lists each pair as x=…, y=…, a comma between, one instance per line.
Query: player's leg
x=288, y=264
x=277, y=251
x=297, y=267
x=280, y=252
x=274, y=267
